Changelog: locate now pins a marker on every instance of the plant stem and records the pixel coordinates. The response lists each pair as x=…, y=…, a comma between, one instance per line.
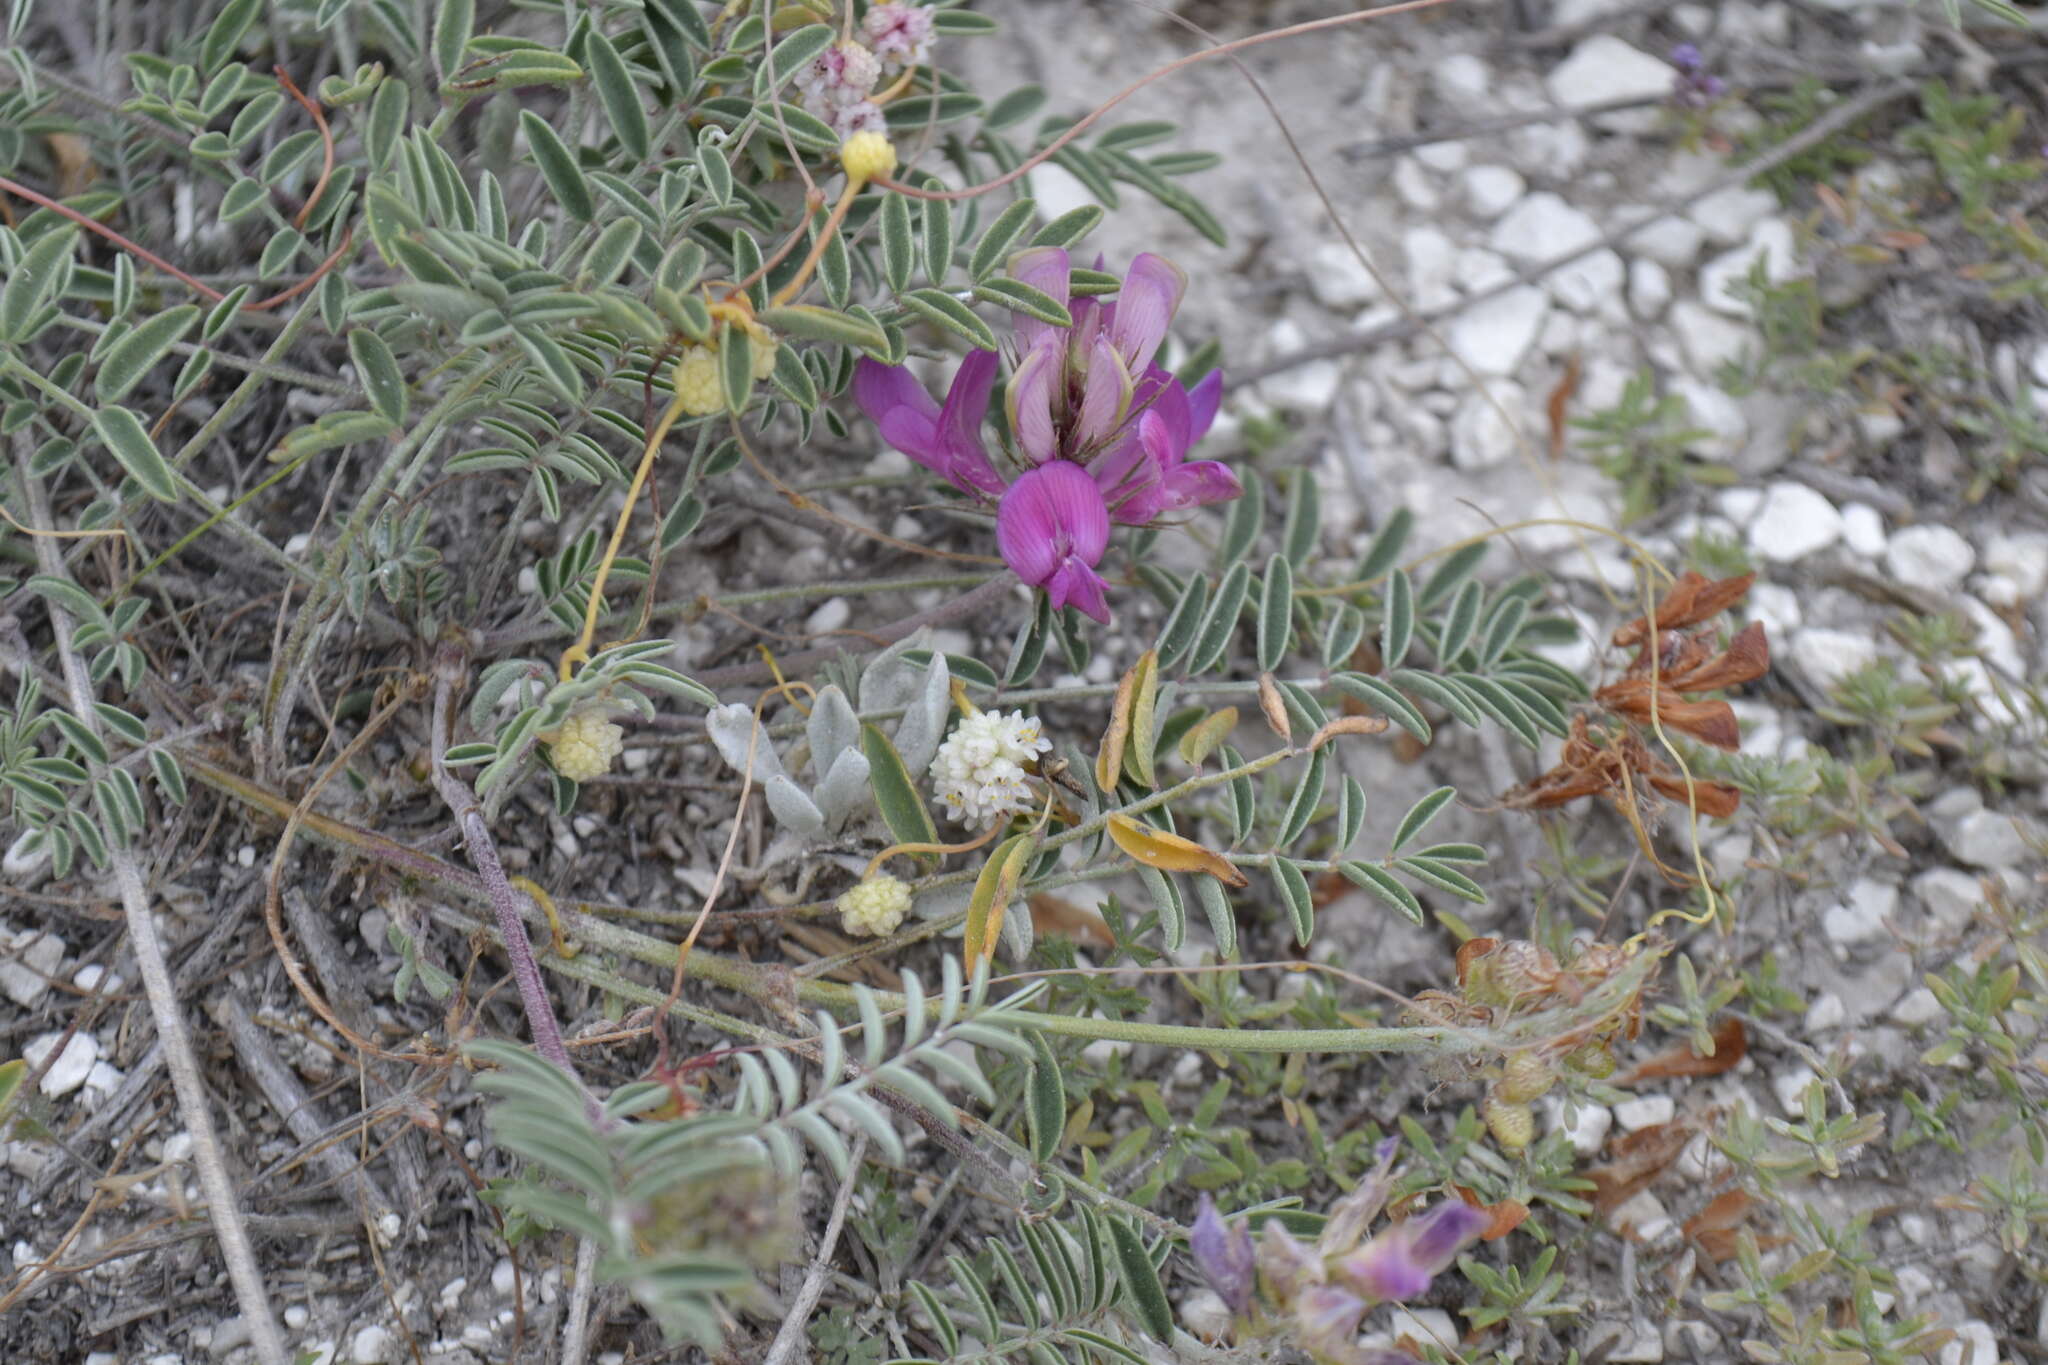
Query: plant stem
x=279, y=691
x=225, y=1214
x=497, y=888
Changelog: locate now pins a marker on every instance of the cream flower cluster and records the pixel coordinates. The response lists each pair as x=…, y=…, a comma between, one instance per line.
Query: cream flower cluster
x=979, y=771
x=585, y=746
x=876, y=905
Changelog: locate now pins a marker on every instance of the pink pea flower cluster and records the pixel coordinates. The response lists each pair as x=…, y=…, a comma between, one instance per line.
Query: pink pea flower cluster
x=1098, y=434
x=1320, y=1293
x=836, y=86
x=900, y=34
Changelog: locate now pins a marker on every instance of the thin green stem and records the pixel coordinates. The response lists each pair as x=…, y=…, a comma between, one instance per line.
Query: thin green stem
x=284, y=670
x=187, y=490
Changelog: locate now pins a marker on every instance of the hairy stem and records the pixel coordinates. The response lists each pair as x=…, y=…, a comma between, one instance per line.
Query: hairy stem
x=497, y=888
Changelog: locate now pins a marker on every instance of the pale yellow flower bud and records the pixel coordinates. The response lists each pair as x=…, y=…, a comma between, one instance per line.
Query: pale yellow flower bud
x=763, y=342
x=696, y=382
x=585, y=746
x=867, y=155
x=876, y=905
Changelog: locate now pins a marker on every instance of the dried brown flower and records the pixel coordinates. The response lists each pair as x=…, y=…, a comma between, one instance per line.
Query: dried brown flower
x=1677, y=656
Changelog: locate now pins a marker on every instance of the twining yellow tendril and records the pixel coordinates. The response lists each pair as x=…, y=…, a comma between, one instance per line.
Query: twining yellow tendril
x=865, y=156
x=563, y=948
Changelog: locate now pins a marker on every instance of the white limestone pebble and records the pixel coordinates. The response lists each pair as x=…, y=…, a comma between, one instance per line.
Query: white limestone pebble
x=1792, y=522
x=1603, y=69
x=1493, y=337
x=1863, y=914
x=72, y=1066
x=1337, y=279
x=1931, y=557
x=1491, y=191
x=1827, y=656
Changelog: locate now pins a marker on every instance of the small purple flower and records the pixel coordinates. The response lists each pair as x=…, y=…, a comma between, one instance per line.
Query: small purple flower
x=1353, y=1214
x=1223, y=1255
x=1694, y=87
x=1084, y=400
x=1326, y=1319
x=1398, y=1264
x=1287, y=1266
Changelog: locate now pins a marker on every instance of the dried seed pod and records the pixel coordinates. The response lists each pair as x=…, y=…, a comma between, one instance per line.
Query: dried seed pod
x=1512, y=971
x=1513, y=1125
x=1525, y=1077
x=1592, y=1060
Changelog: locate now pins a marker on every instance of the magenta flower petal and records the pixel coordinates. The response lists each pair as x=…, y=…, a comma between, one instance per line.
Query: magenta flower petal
x=1044, y=268
x=1144, y=306
x=1029, y=400
x=896, y=403
x=1198, y=484
x=946, y=440
x=1444, y=1231
x=1203, y=399
x=1105, y=396
x=960, y=425
x=1052, y=528
x=1074, y=584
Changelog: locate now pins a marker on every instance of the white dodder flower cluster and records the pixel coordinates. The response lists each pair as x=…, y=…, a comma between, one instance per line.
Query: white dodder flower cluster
x=979, y=771
x=875, y=906
x=585, y=746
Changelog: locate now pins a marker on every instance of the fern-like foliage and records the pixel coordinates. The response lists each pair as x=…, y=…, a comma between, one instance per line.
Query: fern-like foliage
x=1066, y=1298
x=687, y=1210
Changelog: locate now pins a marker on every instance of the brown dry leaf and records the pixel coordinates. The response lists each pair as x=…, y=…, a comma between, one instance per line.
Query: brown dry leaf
x=1838, y=208
x=1334, y=885
x=1408, y=749
x=1717, y=800
x=1471, y=950
x=1507, y=1215
x=1347, y=725
x=1055, y=917
x=1710, y=722
x=1206, y=734
x=1170, y=852
x=75, y=168
x=1558, y=407
x=1731, y=1043
x=1638, y=1159
x=1747, y=658
x=1274, y=708
x=1903, y=241
x=1714, y=1227
x=1693, y=598
x=1109, y=759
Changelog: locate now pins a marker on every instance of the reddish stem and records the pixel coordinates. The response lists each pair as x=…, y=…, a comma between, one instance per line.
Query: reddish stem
x=91, y=225
x=326, y=145
x=201, y=287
